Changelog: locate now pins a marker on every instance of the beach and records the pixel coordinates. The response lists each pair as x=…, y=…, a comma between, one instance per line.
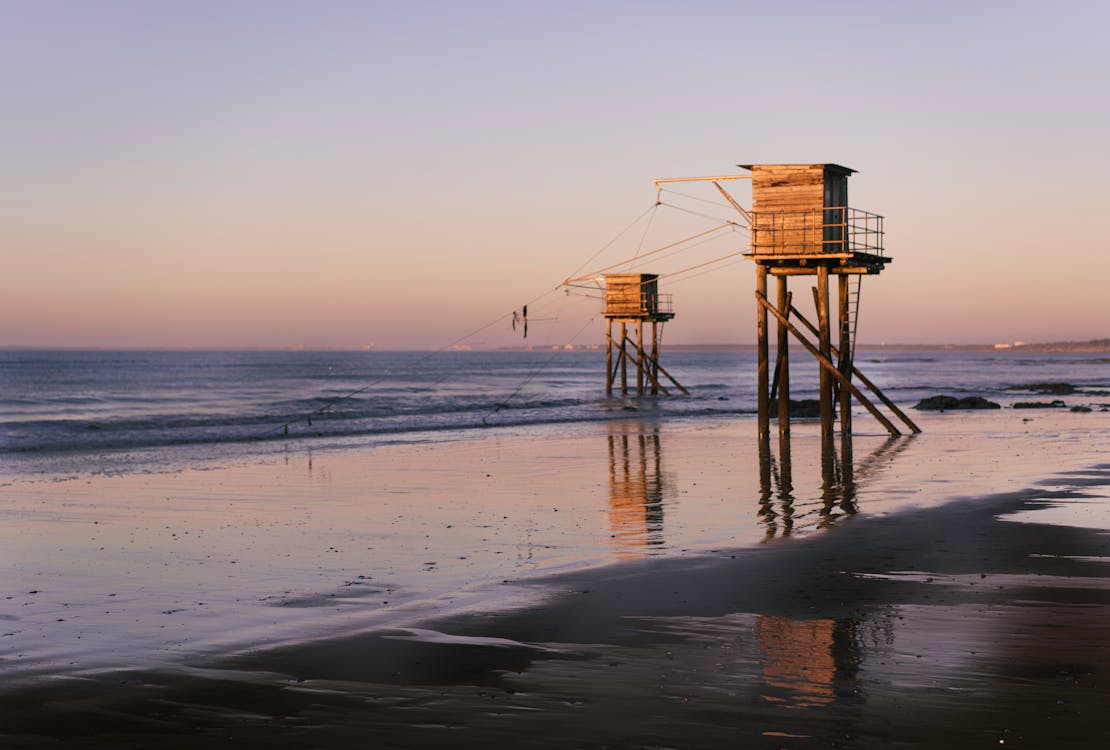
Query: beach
x=631, y=583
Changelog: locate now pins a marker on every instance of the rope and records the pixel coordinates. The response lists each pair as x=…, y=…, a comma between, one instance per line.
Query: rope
x=658, y=250
x=682, y=250
x=331, y=403
x=699, y=265
x=703, y=216
x=696, y=198
x=643, y=236
x=620, y=234
x=535, y=371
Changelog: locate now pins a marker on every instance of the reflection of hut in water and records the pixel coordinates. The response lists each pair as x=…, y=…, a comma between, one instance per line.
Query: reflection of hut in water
x=807, y=663
x=637, y=486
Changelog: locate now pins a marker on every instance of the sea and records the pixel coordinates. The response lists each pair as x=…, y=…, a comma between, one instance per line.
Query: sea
x=169, y=508
x=75, y=412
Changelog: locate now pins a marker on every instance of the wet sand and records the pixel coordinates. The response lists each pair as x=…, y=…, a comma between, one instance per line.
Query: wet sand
x=948, y=591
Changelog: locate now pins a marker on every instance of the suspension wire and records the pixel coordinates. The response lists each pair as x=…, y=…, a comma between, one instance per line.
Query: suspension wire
x=704, y=241
x=607, y=245
x=644, y=234
x=696, y=198
x=737, y=261
x=701, y=215
x=699, y=265
x=659, y=249
x=536, y=371
x=332, y=402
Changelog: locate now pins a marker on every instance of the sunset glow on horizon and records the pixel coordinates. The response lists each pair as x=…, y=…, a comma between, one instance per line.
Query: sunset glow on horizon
x=330, y=175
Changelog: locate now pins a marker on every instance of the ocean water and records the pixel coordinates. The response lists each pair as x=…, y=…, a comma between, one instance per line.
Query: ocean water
x=153, y=510
x=115, y=411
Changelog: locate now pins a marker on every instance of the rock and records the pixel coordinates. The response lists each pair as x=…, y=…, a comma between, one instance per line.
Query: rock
x=1057, y=404
x=1052, y=389
x=805, y=409
x=947, y=403
x=1081, y=409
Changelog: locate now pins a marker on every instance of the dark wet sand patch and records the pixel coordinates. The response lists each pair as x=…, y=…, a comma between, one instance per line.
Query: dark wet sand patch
x=944, y=627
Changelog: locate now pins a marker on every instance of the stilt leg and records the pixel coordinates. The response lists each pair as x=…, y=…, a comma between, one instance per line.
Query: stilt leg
x=782, y=346
x=844, y=362
x=624, y=359
x=762, y=378
x=608, y=356
x=826, y=381
x=640, y=363
x=654, y=358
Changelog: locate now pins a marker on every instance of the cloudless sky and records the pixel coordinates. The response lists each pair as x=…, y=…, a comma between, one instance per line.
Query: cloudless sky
x=330, y=174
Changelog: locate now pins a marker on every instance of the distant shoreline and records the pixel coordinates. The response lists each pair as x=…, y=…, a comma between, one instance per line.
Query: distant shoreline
x=1092, y=346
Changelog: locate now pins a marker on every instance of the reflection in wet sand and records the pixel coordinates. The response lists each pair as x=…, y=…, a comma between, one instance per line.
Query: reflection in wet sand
x=840, y=476
x=798, y=659
x=637, y=487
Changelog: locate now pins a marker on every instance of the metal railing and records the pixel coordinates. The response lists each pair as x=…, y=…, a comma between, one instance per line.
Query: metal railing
x=823, y=231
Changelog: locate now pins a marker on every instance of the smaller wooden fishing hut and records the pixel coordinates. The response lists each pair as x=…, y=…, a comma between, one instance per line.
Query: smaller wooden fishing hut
x=631, y=300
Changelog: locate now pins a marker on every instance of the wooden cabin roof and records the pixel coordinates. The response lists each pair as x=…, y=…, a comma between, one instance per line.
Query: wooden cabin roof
x=833, y=167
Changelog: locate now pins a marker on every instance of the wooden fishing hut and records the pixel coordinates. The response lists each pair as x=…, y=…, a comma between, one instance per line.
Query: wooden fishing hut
x=802, y=225
x=631, y=300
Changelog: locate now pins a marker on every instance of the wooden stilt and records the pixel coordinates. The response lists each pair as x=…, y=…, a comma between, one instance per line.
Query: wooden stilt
x=762, y=384
x=654, y=358
x=844, y=359
x=828, y=366
x=824, y=342
x=624, y=358
x=863, y=379
x=783, y=367
x=640, y=363
x=608, y=356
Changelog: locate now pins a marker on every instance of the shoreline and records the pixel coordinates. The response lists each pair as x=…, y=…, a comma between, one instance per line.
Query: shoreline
x=657, y=593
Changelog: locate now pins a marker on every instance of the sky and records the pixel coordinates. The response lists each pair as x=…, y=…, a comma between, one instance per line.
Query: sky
x=406, y=175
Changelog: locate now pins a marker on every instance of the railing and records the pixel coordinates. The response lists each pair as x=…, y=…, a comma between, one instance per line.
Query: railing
x=632, y=302
x=824, y=231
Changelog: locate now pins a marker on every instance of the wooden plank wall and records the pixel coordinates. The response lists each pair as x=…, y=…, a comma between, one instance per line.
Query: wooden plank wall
x=624, y=293
x=787, y=200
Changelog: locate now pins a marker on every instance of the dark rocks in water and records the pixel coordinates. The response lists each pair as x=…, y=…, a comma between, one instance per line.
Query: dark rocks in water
x=807, y=407
x=1051, y=389
x=1057, y=404
x=1081, y=409
x=946, y=403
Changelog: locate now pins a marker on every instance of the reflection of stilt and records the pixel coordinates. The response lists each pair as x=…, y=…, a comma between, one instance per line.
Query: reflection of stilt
x=840, y=475
x=766, y=512
x=838, y=489
x=637, y=485
x=786, y=486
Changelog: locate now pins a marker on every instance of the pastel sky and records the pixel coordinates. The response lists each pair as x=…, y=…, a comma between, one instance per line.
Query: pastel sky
x=330, y=174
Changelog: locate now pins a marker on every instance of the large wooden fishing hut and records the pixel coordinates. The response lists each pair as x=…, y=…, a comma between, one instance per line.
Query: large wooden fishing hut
x=802, y=225
x=631, y=301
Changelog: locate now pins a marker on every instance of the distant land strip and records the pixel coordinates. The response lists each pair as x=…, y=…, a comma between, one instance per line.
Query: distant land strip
x=1092, y=346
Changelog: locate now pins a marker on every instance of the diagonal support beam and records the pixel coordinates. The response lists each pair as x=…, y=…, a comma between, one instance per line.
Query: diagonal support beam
x=828, y=365
x=863, y=378
x=646, y=371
